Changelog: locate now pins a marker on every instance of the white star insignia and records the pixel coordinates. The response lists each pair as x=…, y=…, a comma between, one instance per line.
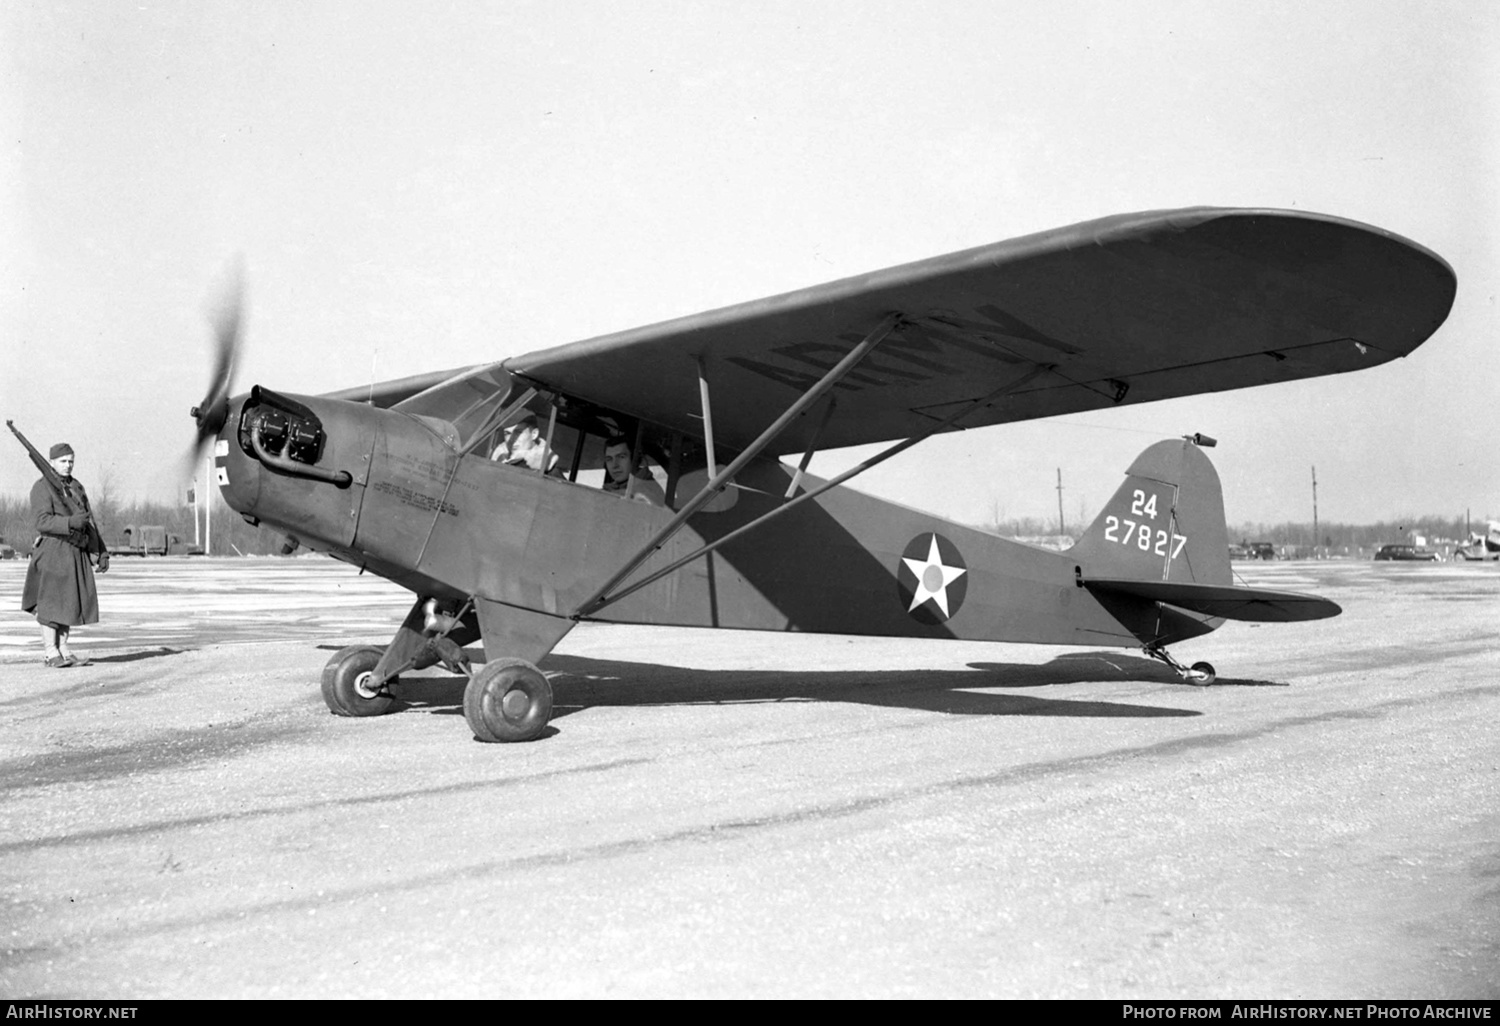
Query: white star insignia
x=933, y=578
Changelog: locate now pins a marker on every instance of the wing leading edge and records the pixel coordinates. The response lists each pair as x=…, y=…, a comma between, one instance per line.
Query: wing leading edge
x=1126, y=309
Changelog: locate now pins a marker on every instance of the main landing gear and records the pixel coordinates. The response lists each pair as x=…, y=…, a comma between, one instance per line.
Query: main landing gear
x=505, y=700
x=508, y=700
x=349, y=684
x=1199, y=674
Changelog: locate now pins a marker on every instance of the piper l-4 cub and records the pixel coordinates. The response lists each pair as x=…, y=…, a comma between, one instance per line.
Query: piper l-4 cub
x=693, y=414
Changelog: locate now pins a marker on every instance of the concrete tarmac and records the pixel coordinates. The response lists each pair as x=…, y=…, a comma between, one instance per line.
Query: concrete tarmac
x=720, y=814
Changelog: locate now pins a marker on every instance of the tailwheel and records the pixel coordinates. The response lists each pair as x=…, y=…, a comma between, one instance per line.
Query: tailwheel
x=348, y=683
x=508, y=700
x=1199, y=674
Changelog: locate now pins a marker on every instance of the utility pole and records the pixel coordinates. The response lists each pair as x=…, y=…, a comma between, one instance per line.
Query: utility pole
x=208, y=504
x=1061, y=529
x=1315, y=512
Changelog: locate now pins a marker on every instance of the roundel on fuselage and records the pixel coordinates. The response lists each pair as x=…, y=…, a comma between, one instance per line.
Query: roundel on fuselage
x=931, y=579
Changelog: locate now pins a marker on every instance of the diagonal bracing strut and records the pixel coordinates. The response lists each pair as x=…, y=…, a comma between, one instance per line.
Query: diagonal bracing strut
x=721, y=479
x=600, y=600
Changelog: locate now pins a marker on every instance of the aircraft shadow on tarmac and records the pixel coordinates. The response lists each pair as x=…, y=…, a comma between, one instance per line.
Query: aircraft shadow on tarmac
x=131, y=657
x=581, y=683
x=1097, y=667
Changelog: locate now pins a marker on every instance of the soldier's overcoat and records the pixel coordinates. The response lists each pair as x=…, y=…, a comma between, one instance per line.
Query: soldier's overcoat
x=59, y=585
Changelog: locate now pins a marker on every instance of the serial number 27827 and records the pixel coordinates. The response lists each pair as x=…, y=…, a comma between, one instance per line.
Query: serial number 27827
x=1140, y=534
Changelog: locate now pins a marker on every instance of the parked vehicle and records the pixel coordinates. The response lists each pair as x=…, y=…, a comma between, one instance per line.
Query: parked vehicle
x=146, y=541
x=1407, y=553
x=1252, y=550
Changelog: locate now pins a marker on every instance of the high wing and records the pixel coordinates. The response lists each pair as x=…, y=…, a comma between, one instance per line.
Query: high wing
x=1123, y=310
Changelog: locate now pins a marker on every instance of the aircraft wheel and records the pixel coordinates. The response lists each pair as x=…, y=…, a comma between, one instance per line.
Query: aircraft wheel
x=346, y=683
x=1201, y=674
x=508, y=700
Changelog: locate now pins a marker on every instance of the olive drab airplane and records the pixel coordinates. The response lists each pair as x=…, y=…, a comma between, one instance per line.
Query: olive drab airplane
x=401, y=478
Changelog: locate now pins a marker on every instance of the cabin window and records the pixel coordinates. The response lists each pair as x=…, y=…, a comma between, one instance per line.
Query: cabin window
x=572, y=434
x=580, y=430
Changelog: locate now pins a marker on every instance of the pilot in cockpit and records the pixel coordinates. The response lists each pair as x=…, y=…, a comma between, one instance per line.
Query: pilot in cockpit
x=623, y=476
x=524, y=446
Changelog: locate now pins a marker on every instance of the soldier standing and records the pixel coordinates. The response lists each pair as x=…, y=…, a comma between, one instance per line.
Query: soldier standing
x=59, y=585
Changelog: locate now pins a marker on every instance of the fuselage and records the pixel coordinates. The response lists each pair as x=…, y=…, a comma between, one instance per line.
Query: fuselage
x=454, y=527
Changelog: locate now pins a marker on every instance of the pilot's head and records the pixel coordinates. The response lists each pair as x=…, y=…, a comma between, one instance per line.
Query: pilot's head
x=523, y=432
x=617, y=458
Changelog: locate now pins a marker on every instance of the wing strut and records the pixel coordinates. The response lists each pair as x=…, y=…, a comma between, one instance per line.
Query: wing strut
x=812, y=447
x=599, y=601
x=720, y=480
x=708, y=418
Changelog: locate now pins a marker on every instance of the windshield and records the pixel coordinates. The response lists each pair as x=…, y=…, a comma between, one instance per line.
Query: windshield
x=471, y=402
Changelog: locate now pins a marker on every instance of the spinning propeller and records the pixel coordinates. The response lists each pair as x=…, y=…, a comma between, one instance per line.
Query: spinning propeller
x=227, y=319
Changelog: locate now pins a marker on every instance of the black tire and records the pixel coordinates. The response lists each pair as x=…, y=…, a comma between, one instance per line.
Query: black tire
x=508, y=700
x=346, y=679
x=1203, y=675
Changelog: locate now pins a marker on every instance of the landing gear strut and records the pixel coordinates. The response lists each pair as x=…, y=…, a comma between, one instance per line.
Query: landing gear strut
x=505, y=700
x=1199, y=674
x=357, y=680
x=349, y=683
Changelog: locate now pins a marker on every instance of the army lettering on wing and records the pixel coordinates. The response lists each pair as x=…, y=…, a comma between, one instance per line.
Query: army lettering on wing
x=916, y=352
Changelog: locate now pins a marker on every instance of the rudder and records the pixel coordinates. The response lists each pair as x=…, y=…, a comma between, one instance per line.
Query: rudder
x=1165, y=523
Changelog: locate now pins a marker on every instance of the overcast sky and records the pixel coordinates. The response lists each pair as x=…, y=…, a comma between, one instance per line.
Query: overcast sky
x=415, y=186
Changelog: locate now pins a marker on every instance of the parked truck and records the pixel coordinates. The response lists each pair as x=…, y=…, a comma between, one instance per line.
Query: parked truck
x=151, y=540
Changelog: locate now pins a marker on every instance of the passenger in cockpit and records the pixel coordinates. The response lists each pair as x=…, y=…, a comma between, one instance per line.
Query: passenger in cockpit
x=622, y=475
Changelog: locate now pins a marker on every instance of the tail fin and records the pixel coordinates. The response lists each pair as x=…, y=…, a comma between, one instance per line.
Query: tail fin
x=1165, y=523
x=1157, y=557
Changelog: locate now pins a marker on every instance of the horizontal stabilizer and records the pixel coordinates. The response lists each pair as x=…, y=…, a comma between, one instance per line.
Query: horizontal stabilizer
x=1230, y=603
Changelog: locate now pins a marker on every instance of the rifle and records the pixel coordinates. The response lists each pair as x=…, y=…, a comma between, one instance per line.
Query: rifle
x=60, y=493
